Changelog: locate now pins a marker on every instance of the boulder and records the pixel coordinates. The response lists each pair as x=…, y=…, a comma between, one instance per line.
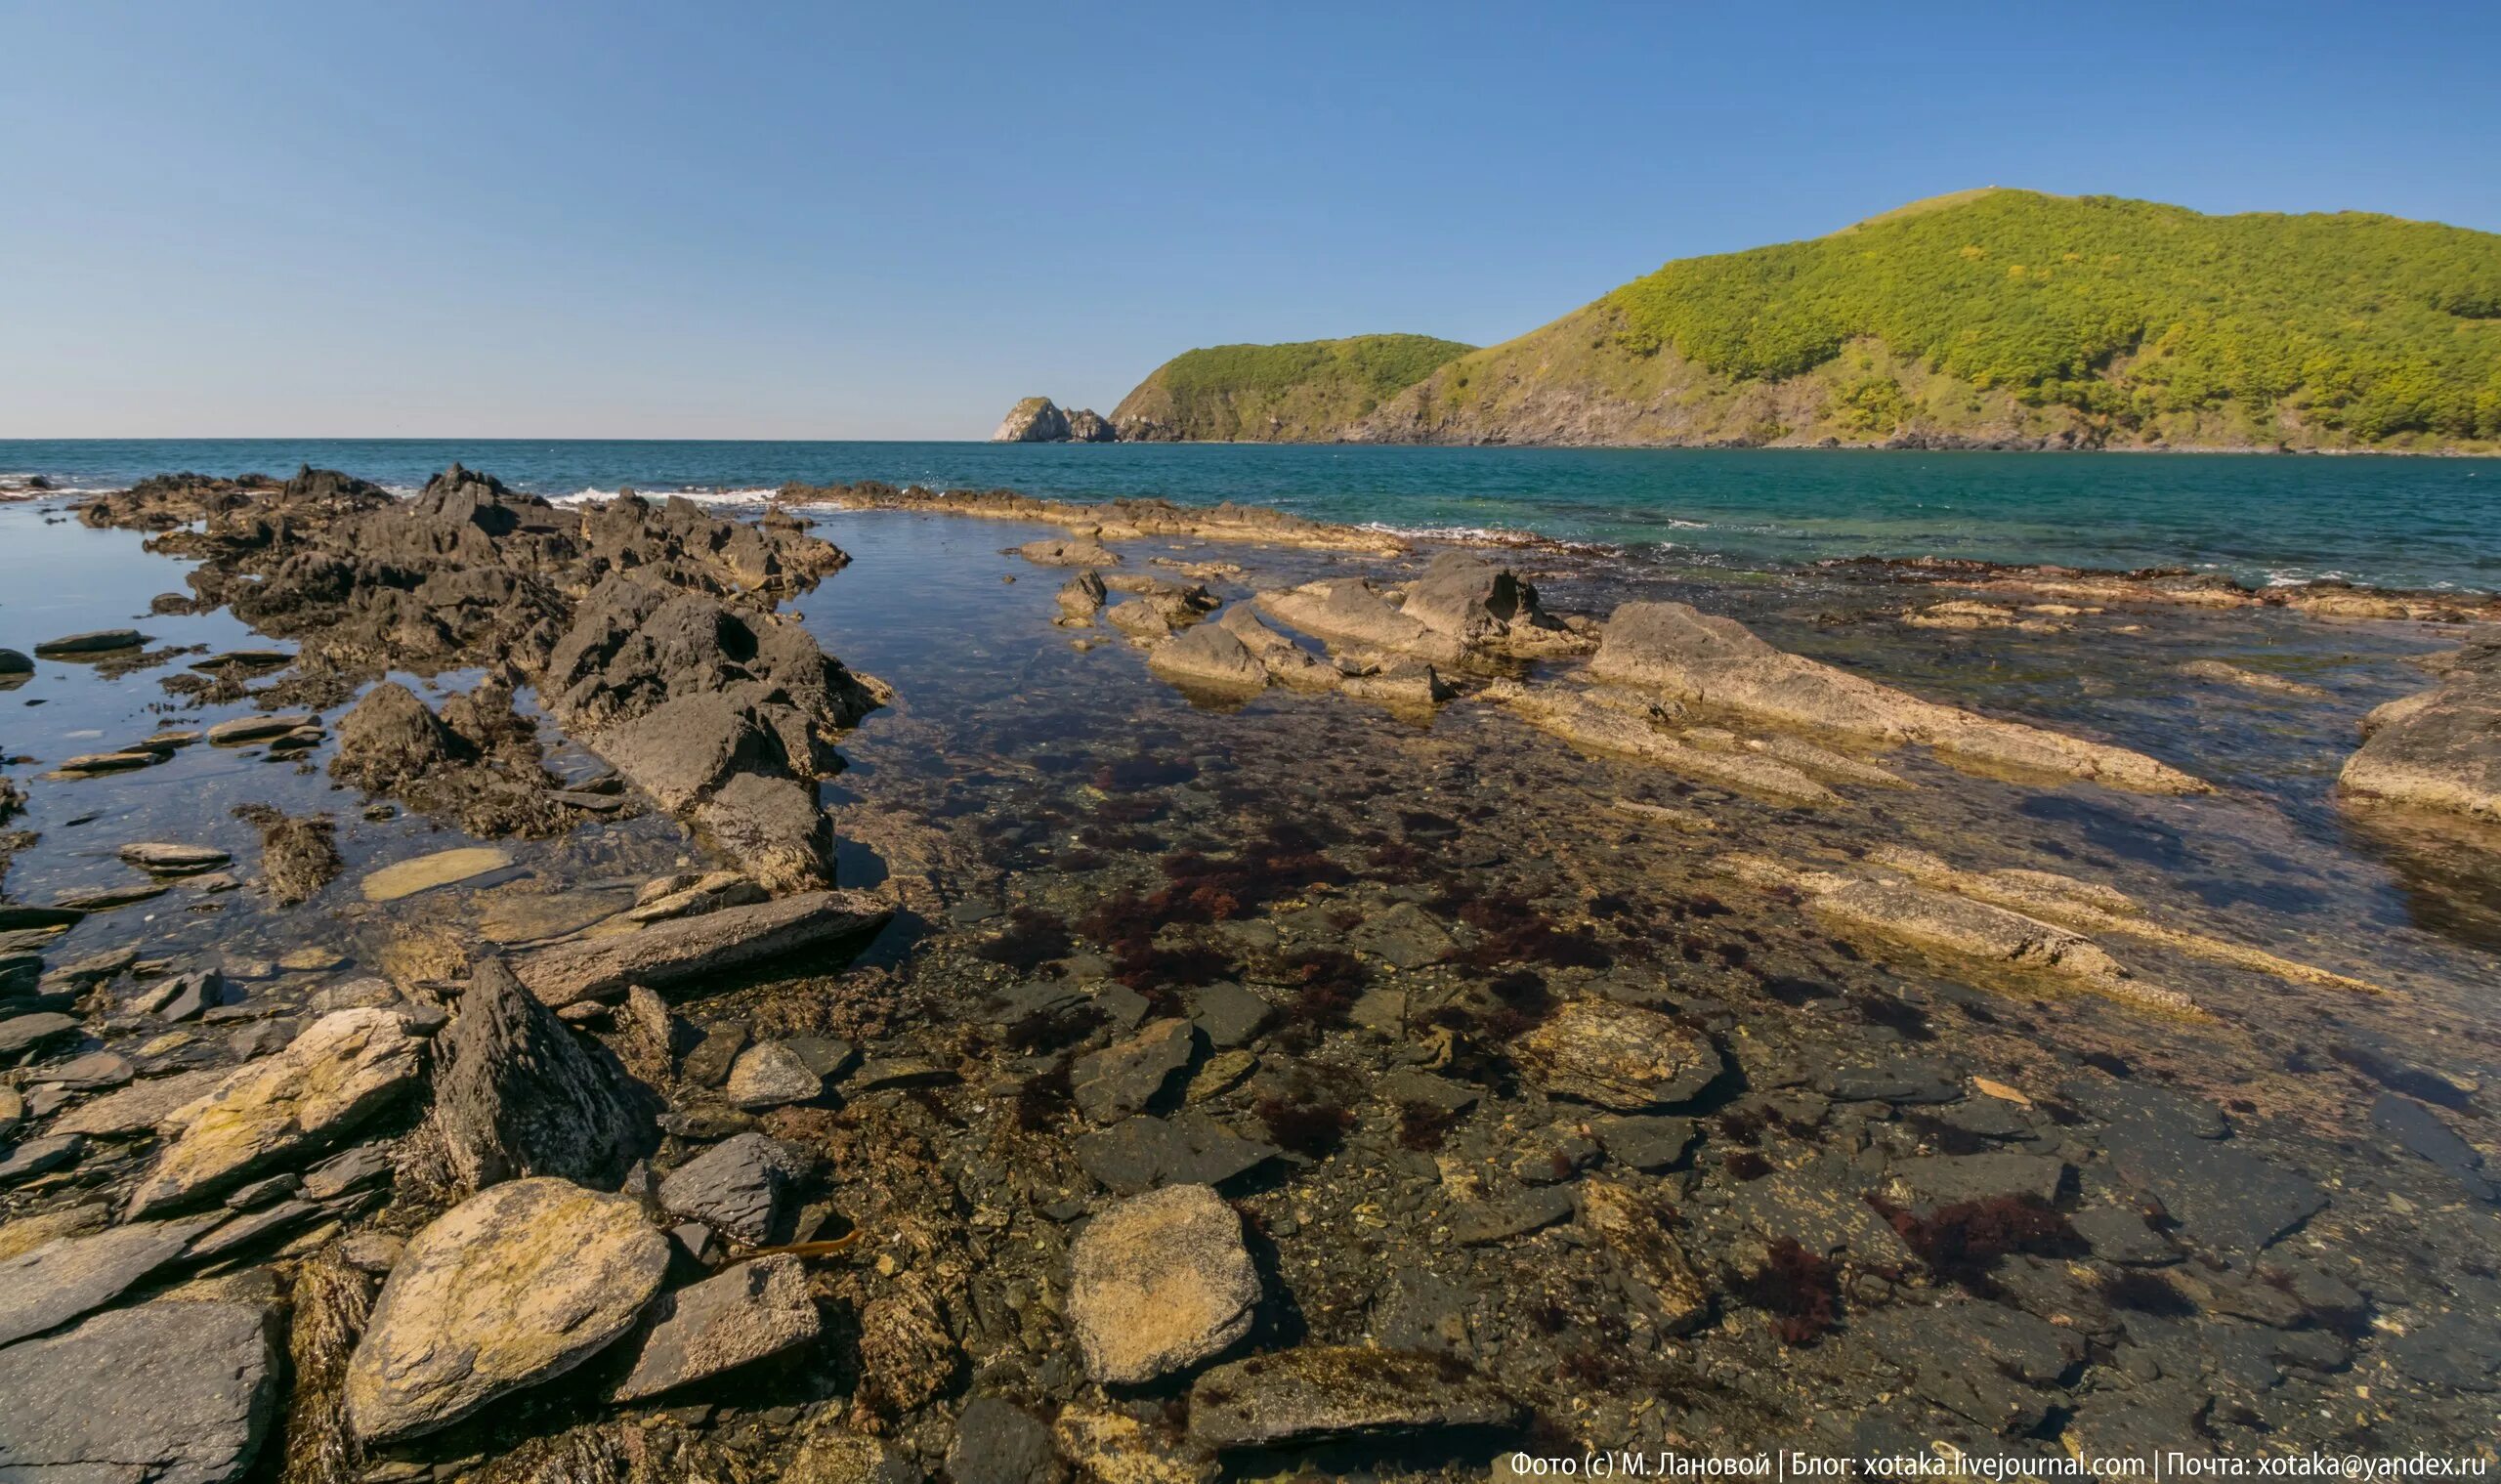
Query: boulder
x=2438, y=749
x=1081, y=598
x=773, y=827
x=511, y=1286
x=1033, y=420
x=673, y=952
x=754, y=1310
x=1332, y=1393
x=1718, y=662
x=1209, y=655
x=345, y=1068
x=165, y=1393
x=1484, y=607
x=1158, y=1283
x=1346, y=611
x=1618, y=1056
x=519, y=1093
x=14, y=662
x=64, y=1278
x=737, y=1186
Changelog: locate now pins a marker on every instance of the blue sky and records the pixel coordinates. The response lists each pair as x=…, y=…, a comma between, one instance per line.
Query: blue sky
x=890, y=221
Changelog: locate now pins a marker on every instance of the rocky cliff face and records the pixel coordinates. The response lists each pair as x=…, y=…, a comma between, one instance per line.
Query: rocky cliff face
x=1040, y=420
x=1035, y=420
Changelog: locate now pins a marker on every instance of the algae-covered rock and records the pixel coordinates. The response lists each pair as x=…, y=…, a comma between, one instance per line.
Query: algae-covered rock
x=511, y=1287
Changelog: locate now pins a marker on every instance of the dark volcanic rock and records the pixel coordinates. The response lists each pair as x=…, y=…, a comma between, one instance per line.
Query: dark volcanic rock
x=517, y=1092
x=166, y=1393
x=391, y=738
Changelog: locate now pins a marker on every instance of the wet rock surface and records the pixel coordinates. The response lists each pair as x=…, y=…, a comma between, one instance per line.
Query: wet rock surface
x=1639, y=1075
x=165, y=1393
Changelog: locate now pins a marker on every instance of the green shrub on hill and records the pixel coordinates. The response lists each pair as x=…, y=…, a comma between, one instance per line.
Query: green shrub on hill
x=2123, y=310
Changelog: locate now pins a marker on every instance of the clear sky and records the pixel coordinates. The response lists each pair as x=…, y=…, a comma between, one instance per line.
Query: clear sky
x=566, y=218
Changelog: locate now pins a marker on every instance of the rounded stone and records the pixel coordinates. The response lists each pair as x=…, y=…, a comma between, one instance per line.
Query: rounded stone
x=513, y=1286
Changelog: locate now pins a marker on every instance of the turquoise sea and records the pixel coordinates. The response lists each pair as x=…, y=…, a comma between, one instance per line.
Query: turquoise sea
x=2412, y=522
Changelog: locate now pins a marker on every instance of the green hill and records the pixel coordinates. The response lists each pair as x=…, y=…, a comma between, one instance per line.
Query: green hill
x=1309, y=392
x=2012, y=317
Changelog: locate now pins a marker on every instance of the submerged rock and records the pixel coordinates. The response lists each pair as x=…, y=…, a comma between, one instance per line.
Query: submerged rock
x=511, y=1287
x=1328, y=1393
x=165, y=1393
x=345, y=1068
x=1619, y=1056
x=443, y=868
x=1159, y=1282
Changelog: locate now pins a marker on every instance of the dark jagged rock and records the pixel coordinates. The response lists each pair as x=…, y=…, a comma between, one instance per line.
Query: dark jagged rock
x=299, y=855
x=739, y=1186
x=519, y=1093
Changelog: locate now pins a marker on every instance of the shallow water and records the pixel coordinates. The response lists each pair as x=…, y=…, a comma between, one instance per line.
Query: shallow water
x=2379, y=521
x=1019, y=771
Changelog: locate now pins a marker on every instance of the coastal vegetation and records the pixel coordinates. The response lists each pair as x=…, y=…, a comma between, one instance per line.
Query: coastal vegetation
x=1231, y=392
x=1990, y=316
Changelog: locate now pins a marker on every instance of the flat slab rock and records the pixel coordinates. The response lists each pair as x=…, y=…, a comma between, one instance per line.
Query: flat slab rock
x=671, y=952
x=165, y=1393
x=511, y=1286
x=2225, y=1198
x=754, y=1310
x=64, y=1278
x=1158, y=1283
x=1141, y=1152
x=1327, y=1393
x=1619, y=1056
x=345, y=1068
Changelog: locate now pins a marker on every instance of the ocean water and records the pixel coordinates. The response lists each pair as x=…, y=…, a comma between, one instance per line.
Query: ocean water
x=2383, y=522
